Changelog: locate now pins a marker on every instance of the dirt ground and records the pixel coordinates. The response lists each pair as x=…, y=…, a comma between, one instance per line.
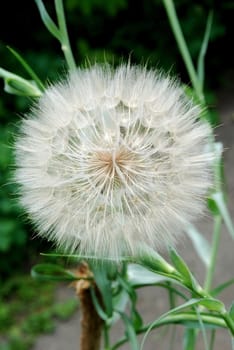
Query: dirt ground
x=153, y=301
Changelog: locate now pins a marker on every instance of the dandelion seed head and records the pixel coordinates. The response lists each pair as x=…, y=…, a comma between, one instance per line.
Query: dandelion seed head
x=108, y=160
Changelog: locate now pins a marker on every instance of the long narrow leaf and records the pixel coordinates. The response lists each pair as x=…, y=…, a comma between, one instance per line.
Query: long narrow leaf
x=200, y=244
x=130, y=332
x=16, y=85
x=182, y=267
x=150, y=259
x=28, y=69
x=91, y=258
x=221, y=287
x=100, y=272
x=218, y=197
x=48, y=22
x=209, y=303
x=98, y=307
x=119, y=305
x=191, y=302
x=188, y=319
x=52, y=272
x=138, y=275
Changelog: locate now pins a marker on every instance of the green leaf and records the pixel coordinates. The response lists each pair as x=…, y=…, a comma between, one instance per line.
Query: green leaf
x=128, y=287
x=209, y=303
x=188, y=319
x=16, y=85
x=21, y=88
x=135, y=316
x=219, y=200
x=200, y=244
x=28, y=69
x=102, y=314
x=138, y=275
x=191, y=302
x=182, y=268
x=48, y=22
x=130, y=332
x=231, y=311
x=52, y=272
x=100, y=271
x=136, y=319
x=213, y=304
x=213, y=207
x=221, y=287
x=119, y=304
x=149, y=258
x=91, y=259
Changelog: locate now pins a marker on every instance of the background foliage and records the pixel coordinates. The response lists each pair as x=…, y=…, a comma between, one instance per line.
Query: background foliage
x=100, y=30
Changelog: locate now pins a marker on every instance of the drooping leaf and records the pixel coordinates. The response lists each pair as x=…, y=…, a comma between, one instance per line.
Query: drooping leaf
x=209, y=303
x=16, y=85
x=52, y=272
x=190, y=303
x=48, y=22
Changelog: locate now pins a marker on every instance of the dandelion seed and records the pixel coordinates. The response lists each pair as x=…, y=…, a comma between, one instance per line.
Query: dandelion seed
x=111, y=159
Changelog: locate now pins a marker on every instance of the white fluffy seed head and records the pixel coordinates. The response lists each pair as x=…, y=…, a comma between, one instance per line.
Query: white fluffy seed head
x=109, y=160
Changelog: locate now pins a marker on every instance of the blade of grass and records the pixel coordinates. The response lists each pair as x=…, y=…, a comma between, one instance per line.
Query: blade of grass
x=28, y=69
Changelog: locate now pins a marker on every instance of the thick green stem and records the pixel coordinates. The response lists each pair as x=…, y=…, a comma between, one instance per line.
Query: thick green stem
x=65, y=43
x=215, y=245
x=106, y=338
x=175, y=25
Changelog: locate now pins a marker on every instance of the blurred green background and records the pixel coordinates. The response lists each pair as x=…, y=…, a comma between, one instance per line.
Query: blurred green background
x=100, y=30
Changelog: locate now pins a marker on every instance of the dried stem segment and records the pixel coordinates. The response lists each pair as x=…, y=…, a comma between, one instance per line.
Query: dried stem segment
x=91, y=323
